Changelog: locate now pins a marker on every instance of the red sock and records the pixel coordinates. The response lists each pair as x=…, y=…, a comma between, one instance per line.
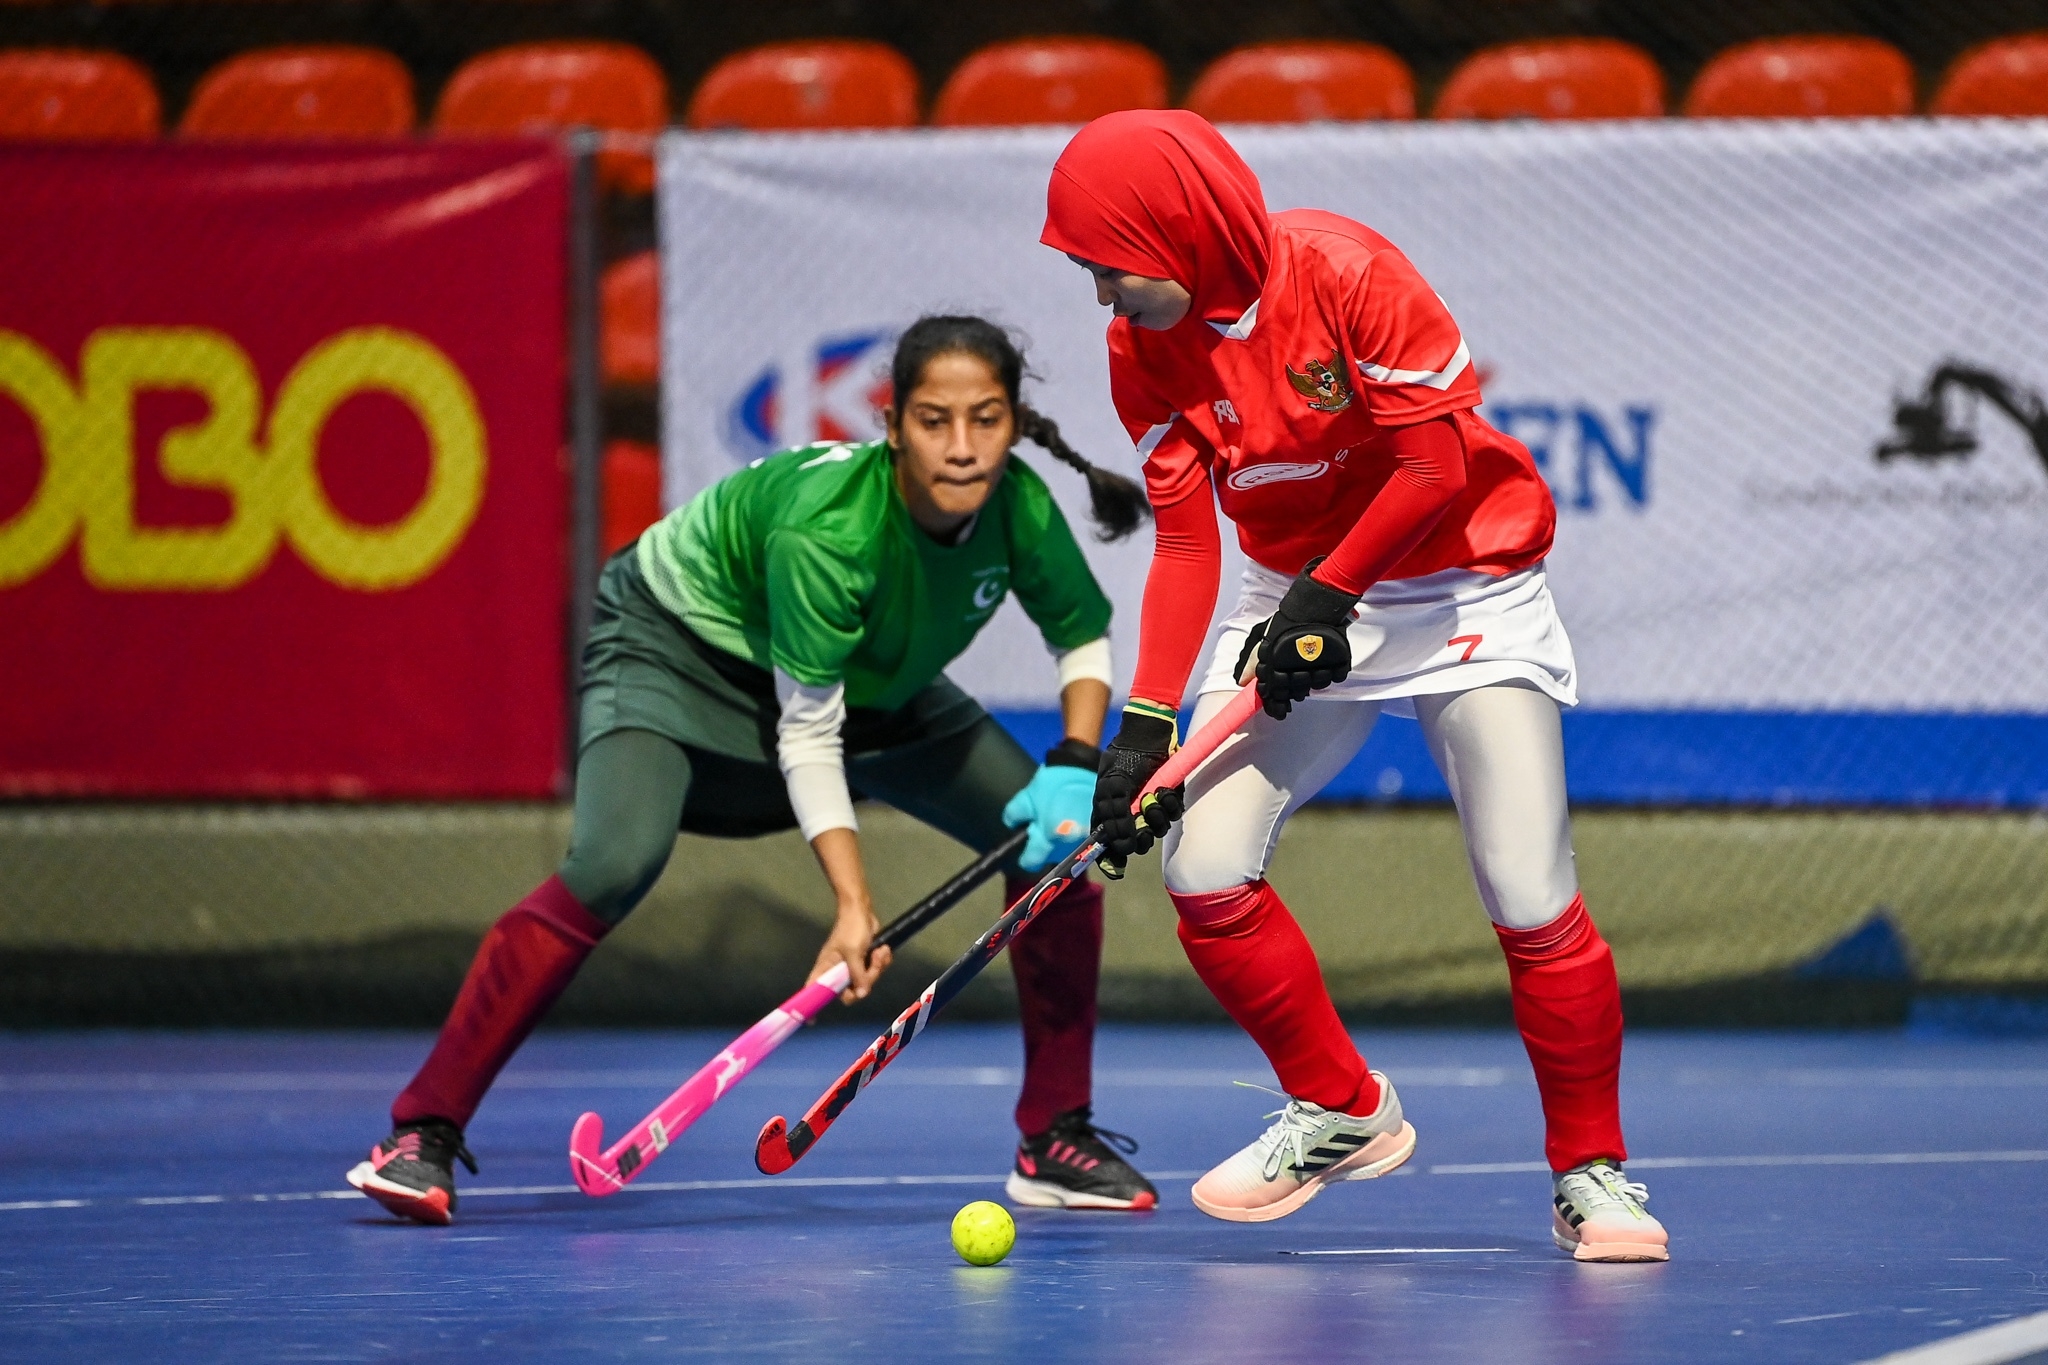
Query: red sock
x=523, y=964
x=1057, y=962
x=1255, y=960
x=1568, y=1007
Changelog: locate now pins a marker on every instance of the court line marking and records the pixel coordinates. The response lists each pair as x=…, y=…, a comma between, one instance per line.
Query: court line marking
x=1654, y=1163
x=158, y=1082
x=1888, y=1077
x=1822, y=1317
x=1681, y=1163
x=1402, y=1251
x=1994, y=1345
x=1422, y=1077
x=502, y=1191
x=261, y=1081
x=270, y=1081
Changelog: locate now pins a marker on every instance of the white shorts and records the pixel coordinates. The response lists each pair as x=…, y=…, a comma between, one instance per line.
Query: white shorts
x=1446, y=632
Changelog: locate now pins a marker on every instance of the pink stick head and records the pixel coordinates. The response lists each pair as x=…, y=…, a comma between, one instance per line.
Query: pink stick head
x=593, y=1175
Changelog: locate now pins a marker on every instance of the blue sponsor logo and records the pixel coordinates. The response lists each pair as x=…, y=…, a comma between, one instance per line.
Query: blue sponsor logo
x=848, y=387
x=1591, y=458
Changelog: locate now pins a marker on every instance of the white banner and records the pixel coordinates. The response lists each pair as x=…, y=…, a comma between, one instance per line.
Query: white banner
x=1700, y=328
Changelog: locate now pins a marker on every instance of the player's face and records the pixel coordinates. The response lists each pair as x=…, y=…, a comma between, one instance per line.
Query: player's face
x=951, y=441
x=1152, y=304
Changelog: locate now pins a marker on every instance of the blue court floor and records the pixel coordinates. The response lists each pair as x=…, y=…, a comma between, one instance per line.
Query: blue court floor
x=1832, y=1197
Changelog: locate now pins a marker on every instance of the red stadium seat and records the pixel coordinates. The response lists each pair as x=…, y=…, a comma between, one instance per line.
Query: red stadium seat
x=1822, y=77
x=550, y=87
x=630, y=306
x=2008, y=76
x=1304, y=83
x=333, y=91
x=808, y=85
x=1050, y=80
x=632, y=492
x=1562, y=78
x=70, y=93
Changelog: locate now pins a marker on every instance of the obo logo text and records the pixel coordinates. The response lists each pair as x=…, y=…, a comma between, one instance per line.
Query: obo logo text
x=272, y=481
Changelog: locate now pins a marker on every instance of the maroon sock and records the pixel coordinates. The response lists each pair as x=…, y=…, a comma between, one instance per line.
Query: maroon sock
x=1568, y=1007
x=1255, y=960
x=524, y=963
x=1057, y=962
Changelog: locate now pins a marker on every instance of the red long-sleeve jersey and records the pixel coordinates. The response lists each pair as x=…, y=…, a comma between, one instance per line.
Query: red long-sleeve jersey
x=1310, y=428
x=1318, y=386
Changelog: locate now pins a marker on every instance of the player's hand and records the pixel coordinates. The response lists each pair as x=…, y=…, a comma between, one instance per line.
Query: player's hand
x=1057, y=804
x=1302, y=647
x=1143, y=743
x=852, y=932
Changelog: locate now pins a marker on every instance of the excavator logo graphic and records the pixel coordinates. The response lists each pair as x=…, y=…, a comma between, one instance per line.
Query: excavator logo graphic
x=1927, y=429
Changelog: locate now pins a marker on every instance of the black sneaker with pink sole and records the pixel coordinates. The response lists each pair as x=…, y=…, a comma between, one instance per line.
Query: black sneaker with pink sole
x=1075, y=1165
x=412, y=1172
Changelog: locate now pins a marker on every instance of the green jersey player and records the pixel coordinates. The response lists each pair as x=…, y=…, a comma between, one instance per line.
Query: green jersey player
x=776, y=646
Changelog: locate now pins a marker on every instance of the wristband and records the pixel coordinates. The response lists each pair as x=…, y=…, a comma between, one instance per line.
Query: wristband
x=1310, y=599
x=1074, y=753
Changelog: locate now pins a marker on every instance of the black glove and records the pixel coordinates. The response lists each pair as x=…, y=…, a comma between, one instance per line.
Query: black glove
x=1143, y=743
x=1303, y=646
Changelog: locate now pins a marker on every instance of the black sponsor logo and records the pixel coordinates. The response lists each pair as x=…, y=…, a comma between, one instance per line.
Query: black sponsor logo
x=1940, y=422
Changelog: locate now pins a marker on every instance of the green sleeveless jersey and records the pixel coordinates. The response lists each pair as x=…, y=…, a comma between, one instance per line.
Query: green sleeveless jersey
x=808, y=562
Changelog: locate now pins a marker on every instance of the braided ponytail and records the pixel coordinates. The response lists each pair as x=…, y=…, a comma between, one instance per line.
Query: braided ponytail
x=1117, y=504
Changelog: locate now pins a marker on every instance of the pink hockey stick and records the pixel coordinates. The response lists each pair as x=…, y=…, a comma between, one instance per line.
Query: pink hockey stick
x=599, y=1171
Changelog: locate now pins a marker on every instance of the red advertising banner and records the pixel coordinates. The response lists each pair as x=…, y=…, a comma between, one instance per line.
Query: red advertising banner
x=282, y=505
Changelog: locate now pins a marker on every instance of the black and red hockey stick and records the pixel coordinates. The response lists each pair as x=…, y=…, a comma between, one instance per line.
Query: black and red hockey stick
x=600, y=1171
x=781, y=1146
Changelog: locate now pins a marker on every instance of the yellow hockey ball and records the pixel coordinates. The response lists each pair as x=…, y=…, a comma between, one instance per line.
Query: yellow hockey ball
x=983, y=1233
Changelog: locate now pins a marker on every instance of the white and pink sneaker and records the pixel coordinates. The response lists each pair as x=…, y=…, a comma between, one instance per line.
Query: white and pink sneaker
x=1308, y=1148
x=1598, y=1215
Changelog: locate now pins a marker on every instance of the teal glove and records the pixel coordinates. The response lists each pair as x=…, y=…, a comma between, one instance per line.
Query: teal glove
x=1057, y=804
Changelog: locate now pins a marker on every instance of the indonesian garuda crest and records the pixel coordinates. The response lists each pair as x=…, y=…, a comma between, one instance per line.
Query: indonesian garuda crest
x=1323, y=385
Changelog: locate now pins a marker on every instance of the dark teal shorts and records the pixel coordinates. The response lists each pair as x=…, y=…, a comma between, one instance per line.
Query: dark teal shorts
x=940, y=757
x=644, y=669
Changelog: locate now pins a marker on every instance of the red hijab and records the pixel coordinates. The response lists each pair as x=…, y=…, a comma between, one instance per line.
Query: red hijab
x=1158, y=192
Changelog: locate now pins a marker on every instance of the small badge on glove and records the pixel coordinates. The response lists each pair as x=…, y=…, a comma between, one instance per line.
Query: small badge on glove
x=1302, y=646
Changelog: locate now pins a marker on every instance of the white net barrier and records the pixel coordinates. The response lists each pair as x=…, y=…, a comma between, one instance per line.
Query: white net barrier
x=1783, y=377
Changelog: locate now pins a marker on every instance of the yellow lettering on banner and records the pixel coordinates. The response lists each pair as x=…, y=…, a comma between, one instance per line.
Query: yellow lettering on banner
x=36, y=535
x=273, y=489
x=219, y=452
x=371, y=558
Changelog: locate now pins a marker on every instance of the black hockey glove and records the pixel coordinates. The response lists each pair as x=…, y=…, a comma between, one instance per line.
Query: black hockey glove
x=1143, y=743
x=1302, y=646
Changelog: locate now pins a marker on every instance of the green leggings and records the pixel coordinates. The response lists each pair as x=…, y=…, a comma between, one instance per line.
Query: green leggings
x=635, y=789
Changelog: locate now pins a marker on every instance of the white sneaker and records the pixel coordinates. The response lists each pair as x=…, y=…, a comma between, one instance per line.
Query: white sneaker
x=1308, y=1148
x=1598, y=1215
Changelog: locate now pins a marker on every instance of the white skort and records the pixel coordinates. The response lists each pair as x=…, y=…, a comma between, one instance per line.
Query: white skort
x=1446, y=632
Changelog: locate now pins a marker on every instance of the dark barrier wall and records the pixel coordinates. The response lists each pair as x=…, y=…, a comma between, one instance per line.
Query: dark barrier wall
x=367, y=915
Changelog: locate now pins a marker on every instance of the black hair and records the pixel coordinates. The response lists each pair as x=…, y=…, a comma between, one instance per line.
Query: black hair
x=1117, y=504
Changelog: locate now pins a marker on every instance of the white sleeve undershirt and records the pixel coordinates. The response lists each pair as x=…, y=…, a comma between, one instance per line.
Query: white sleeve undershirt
x=812, y=755
x=1091, y=660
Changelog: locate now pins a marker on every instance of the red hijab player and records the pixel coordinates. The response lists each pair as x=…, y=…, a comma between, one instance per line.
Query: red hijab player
x=1295, y=368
